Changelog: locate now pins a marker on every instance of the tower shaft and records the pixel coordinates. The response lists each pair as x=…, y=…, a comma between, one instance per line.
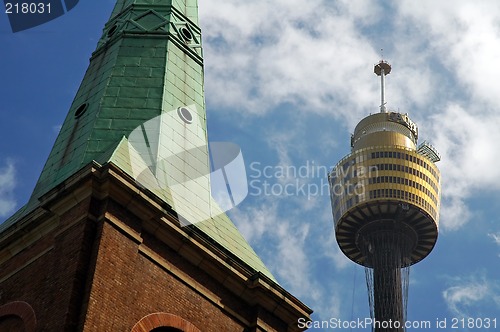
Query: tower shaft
x=388, y=298
x=387, y=250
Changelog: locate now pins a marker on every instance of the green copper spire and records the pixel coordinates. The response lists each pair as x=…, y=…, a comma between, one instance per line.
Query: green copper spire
x=148, y=61
x=141, y=105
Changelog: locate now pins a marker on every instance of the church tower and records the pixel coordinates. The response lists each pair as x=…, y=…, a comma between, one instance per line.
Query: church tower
x=121, y=232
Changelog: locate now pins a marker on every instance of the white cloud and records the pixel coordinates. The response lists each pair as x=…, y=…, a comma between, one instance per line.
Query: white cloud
x=495, y=237
x=291, y=259
x=261, y=54
x=468, y=294
x=454, y=212
x=253, y=223
x=284, y=240
x=339, y=258
x=459, y=298
x=466, y=38
x=7, y=186
x=467, y=143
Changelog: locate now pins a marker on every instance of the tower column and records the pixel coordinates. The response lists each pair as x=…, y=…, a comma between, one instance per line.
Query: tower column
x=388, y=295
x=387, y=248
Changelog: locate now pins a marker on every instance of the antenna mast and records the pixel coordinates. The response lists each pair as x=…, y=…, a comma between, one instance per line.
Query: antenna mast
x=381, y=69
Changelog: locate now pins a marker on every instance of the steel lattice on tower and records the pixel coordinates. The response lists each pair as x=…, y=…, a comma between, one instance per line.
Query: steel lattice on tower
x=385, y=200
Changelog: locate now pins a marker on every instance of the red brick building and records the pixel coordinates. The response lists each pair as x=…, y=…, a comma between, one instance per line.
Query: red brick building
x=98, y=249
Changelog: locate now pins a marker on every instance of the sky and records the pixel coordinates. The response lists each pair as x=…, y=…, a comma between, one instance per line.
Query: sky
x=287, y=81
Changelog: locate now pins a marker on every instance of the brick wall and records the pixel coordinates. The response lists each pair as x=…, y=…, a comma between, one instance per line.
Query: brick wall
x=95, y=266
x=51, y=283
x=127, y=286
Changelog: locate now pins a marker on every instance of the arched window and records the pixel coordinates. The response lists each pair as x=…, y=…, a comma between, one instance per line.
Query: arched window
x=17, y=316
x=164, y=322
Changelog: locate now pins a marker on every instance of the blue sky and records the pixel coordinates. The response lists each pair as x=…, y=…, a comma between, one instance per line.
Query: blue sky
x=287, y=81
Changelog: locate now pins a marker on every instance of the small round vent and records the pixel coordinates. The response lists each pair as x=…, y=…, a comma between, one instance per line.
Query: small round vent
x=186, y=34
x=81, y=110
x=185, y=114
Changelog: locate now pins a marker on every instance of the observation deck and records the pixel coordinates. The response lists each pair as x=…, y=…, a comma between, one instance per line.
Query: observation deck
x=386, y=184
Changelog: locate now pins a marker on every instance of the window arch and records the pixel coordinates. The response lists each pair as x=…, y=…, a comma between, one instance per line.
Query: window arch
x=17, y=314
x=164, y=322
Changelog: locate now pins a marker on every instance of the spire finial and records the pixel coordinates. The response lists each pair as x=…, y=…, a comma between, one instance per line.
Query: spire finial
x=381, y=69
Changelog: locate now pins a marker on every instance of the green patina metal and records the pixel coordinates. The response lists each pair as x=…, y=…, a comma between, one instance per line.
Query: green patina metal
x=148, y=63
